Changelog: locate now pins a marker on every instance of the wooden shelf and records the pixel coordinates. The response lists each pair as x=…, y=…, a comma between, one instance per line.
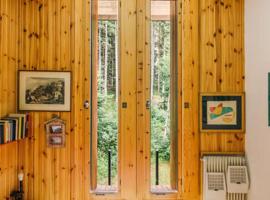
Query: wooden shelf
x=12, y=142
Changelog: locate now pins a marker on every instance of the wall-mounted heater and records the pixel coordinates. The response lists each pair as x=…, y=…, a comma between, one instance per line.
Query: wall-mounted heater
x=217, y=169
x=215, y=186
x=237, y=179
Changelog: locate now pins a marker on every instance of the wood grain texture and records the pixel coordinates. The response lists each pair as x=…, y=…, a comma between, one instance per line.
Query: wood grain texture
x=8, y=67
x=190, y=90
x=55, y=35
x=222, y=62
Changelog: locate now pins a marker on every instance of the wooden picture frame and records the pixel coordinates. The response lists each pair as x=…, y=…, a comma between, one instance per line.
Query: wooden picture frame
x=44, y=91
x=222, y=112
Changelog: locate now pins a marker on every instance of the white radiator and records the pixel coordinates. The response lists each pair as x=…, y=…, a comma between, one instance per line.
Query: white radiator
x=220, y=164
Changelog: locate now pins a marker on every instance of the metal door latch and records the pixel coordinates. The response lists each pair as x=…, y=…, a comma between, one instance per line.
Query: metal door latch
x=86, y=104
x=148, y=104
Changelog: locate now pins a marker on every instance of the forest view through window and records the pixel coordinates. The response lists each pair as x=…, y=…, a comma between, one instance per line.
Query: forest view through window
x=163, y=94
x=105, y=73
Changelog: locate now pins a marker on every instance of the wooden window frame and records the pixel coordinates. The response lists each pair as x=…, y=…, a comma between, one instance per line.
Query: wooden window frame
x=144, y=114
x=94, y=98
x=173, y=96
x=142, y=183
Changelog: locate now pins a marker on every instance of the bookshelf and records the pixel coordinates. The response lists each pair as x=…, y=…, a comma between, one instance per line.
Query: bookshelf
x=14, y=128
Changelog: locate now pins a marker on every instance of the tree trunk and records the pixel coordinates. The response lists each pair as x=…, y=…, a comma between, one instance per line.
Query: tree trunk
x=99, y=50
x=159, y=47
x=152, y=59
x=167, y=119
x=116, y=63
x=106, y=60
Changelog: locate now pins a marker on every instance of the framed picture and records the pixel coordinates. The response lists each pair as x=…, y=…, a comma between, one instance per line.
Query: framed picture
x=56, y=141
x=44, y=91
x=222, y=112
x=56, y=132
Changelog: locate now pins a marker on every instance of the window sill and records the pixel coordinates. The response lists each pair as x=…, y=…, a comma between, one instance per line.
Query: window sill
x=162, y=190
x=104, y=190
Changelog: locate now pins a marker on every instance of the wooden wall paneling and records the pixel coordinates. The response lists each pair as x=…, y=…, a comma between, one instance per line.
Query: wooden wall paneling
x=4, y=56
x=25, y=153
x=31, y=61
x=2, y=149
x=232, y=45
x=1, y=69
x=72, y=117
x=94, y=89
x=4, y=191
x=8, y=152
x=51, y=35
x=12, y=55
x=128, y=94
x=38, y=143
x=190, y=79
x=11, y=66
x=179, y=95
x=47, y=156
x=210, y=58
x=62, y=155
x=78, y=187
x=208, y=45
x=143, y=95
x=86, y=96
x=174, y=95
x=229, y=73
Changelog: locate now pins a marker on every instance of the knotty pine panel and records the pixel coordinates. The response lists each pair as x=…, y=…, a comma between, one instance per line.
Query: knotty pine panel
x=222, y=62
x=55, y=35
x=8, y=67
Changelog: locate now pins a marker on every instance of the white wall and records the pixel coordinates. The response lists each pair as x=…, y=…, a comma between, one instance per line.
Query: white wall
x=257, y=36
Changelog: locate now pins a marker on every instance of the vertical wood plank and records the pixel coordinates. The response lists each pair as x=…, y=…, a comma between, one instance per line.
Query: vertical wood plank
x=128, y=94
x=190, y=78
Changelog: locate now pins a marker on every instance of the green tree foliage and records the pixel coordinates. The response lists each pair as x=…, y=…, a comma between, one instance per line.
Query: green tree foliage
x=160, y=109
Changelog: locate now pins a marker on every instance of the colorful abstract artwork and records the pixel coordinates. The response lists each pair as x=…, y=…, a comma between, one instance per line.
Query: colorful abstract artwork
x=222, y=112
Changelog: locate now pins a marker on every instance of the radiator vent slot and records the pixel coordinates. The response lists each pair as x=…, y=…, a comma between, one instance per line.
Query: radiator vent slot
x=215, y=181
x=237, y=175
x=225, y=177
x=215, y=186
x=237, y=180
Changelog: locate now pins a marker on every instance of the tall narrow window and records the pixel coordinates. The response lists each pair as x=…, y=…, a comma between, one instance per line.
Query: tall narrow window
x=105, y=84
x=163, y=96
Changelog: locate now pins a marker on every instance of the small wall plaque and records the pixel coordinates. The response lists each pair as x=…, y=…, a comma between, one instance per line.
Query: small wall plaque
x=55, y=133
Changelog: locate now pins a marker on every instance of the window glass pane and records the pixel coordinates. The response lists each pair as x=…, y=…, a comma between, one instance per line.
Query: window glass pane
x=162, y=94
x=105, y=72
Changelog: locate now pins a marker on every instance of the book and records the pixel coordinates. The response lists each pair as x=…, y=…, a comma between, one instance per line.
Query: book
x=1, y=133
x=13, y=127
x=6, y=131
x=22, y=123
x=14, y=124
